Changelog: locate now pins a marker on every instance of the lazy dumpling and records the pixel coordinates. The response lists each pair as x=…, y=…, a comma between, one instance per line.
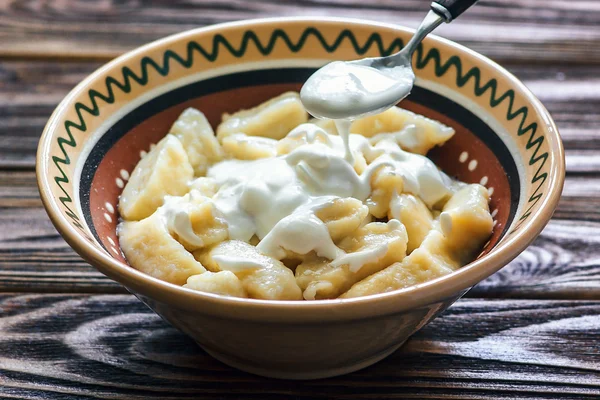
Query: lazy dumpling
x=149, y=246
x=262, y=277
x=165, y=170
x=224, y=283
x=194, y=221
x=244, y=147
x=198, y=139
x=342, y=216
x=412, y=132
x=416, y=217
x=273, y=118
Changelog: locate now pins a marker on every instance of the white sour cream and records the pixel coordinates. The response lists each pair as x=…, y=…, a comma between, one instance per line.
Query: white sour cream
x=420, y=175
x=276, y=198
x=176, y=213
x=342, y=90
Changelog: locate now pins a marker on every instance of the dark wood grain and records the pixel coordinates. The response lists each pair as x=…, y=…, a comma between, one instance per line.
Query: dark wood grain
x=19, y=189
x=112, y=346
x=561, y=263
x=30, y=90
x=33, y=256
x=530, y=30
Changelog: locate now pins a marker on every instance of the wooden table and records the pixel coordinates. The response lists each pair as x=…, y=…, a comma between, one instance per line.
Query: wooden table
x=530, y=331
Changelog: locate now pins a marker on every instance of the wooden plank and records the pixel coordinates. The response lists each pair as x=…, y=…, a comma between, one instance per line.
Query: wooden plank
x=532, y=30
x=564, y=262
x=28, y=96
x=29, y=92
x=35, y=258
x=112, y=346
x=19, y=189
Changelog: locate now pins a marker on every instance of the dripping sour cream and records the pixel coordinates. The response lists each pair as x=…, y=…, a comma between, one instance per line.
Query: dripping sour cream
x=344, y=91
x=276, y=198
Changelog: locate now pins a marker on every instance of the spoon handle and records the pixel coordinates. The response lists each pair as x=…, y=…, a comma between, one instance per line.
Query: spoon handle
x=451, y=9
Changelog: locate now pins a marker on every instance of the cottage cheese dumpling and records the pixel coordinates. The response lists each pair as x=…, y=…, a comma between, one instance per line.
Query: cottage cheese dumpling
x=198, y=139
x=261, y=277
x=272, y=119
x=164, y=171
x=149, y=247
x=224, y=283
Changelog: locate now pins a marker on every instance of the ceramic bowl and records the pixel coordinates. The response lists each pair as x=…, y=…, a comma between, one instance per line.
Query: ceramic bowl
x=505, y=140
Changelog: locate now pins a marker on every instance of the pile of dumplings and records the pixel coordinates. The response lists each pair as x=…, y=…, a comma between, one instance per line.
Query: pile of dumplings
x=169, y=189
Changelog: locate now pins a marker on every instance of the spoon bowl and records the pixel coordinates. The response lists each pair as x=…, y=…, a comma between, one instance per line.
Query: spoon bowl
x=354, y=89
x=350, y=90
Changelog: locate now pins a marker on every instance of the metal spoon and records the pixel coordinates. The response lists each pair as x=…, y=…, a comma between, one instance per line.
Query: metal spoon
x=371, y=85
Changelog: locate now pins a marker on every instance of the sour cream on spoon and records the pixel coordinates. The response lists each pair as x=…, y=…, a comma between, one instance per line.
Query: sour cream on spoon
x=352, y=89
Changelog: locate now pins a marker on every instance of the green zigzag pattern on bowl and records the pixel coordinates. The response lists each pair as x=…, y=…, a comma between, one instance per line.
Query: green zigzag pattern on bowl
x=533, y=144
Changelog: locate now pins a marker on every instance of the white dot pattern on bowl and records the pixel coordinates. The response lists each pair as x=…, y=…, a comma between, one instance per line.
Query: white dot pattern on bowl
x=494, y=213
x=464, y=156
x=143, y=154
x=483, y=181
x=491, y=191
x=472, y=165
x=120, y=181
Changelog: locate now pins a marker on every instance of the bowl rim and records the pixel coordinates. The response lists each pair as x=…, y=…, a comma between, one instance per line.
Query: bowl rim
x=437, y=290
